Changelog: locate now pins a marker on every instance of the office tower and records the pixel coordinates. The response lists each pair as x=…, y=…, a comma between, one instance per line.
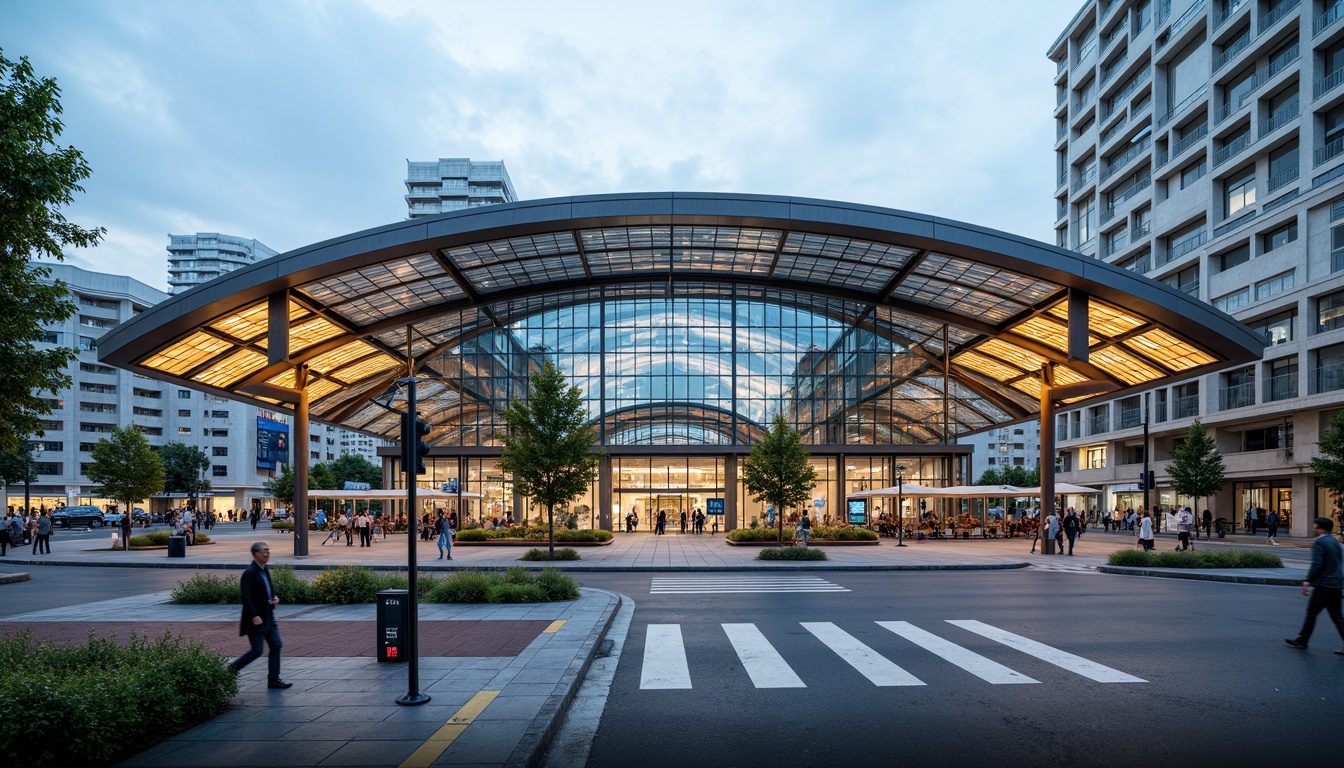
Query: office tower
x=455, y=183
x=1201, y=143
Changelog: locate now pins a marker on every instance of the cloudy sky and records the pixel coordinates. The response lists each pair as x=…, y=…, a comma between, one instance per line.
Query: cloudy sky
x=291, y=120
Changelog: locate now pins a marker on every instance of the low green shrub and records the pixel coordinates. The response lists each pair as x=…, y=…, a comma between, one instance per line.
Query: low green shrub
x=759, y=534
x=570, y=535
x=282, y=525
x=345, y=584
x=517, y=575
x=534, y=555
x=356, y=584
x=461, y=587
x=509, y=592
x=557, y=585
x=473, y=534
x=206, y=589
x=842, y=533
x=790, y=553
x=1226, y=558
x=289, y=587
x=160, y=539
x=123, y=698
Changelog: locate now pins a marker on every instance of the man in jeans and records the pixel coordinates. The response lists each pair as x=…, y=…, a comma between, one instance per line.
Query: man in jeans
x=1185, y=523
x=804, y=528
x=1325, y=582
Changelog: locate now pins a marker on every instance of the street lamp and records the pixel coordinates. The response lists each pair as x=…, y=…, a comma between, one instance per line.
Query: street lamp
x=900, y=469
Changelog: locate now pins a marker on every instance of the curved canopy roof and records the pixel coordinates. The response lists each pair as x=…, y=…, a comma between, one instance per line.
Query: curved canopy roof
x=973, y=314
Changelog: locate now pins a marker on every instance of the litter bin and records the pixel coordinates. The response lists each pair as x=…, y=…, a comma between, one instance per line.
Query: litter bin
x=393, y=612
x=177, y=546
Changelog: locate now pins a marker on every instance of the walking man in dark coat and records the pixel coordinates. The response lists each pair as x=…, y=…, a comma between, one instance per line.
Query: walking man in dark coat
x=258, y=619
x=1325, y=582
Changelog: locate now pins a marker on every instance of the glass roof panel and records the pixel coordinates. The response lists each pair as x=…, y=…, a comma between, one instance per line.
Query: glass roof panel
x=1047, y=332
x=342, y=355
x=366, y=367
x=1103, y=319
x=311, y=332
x=1011, y=353
x=975, y=290
x=246, y=324
x=512, y=249
x=1124, y=366
x=991, y=367
x=232, y=369
x=1167, y=350
x=188, y=353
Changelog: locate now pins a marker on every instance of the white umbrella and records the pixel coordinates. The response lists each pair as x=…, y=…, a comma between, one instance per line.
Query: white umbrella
x=905, y=489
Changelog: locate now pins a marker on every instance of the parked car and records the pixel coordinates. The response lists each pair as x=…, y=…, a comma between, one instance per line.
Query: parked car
x=84, y=514
x=139, y=515
x=281, y=514
x=113, y=518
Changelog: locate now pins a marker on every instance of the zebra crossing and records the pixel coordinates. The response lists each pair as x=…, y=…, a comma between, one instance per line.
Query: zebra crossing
x=739, y=584
x=666, y=667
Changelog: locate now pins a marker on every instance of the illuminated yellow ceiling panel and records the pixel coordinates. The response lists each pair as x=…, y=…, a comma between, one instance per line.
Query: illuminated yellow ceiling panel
x=1027, y=361
x=988, y=366
x=319, y=388
x=342, y=355
x=1102, y=319
x=1124, y=366
x=232, y=369
x=246, y=324
x=365, y=368
x=1167, y=350
x=310, y=332
x=187, y=353
x=1047, y=332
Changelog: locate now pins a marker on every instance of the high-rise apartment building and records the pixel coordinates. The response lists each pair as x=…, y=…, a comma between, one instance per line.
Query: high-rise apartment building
x=1004, y=448
x=194, y=259
x=1201, y=143
x=454, y=183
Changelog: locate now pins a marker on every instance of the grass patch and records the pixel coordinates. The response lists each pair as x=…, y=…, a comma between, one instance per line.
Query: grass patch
x=122, y=698
x=545, y=554
x=791, y=553
x=355, y=584
x=1230, y=558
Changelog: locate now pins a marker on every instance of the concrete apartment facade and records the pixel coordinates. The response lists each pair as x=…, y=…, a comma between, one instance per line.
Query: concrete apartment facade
x=1201, y=143
x=455, y=183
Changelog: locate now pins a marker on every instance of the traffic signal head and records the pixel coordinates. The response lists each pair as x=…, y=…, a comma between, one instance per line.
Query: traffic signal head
x=1152, y=479
x=414, y=449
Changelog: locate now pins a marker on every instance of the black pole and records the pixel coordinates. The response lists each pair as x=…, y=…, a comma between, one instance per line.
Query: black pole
x=1146, y=451
x=410, y=439
x=900, y=509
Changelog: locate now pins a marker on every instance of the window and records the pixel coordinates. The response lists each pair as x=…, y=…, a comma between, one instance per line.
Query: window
x=1096, y=457
x=219, y=450
x=1098, y=419
x=219, y=414
x=97, y=407
x=1277, y=329
x=105, y=370
x=1280, y=237
x=1332, y=125
x=1337, y=237
x=1143, y=222
x=1185, y=400
x=1234, y=300
x=184, y=430
x=1131, y=412
x=102, y=389
x=1277, y=284
x=1330, y=312
x=221, y=433
x=1262, y=439
x=1238, y=389
x=184, y=394
x=1160, y=405
x=152, y=394
x=219, y=470
x=1329, y=369
x=1140, y=263
x=1193, y=172
x=51, y=337
x=1235, y=257
x=1086, y=220
x=1185, y=281
x=139, y=411
x=1131, y=454
x=1239, y=192
x=88, y=344
x=183, y=413
x=87, y=447
x=1281, y=379
x=1236, y=92
x=1282, y=165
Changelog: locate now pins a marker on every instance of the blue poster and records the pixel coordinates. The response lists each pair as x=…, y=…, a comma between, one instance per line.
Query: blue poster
x=713, y=506
x=858, y=512
x=272, y=443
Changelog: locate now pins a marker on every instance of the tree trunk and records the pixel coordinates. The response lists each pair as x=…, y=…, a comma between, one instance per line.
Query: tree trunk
x=779, y=518
x=550, y=526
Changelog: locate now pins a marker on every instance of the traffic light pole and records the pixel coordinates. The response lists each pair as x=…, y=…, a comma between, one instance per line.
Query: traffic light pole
x=410, y=442
x=1145, y=481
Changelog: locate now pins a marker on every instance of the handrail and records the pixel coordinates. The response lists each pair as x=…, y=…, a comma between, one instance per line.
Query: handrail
x=1277, y=13
x=1232, y=149
x=1330, y=16
x=1187, y=101
x=1130, y=154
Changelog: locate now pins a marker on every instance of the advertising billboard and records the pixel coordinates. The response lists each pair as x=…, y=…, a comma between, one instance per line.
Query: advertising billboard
x=858, y=512
x=272, y=443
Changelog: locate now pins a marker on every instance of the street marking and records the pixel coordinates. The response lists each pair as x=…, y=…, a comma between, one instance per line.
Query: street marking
x=986, y=669
x=1061, y=659
x=554, y=627
x=664, y=659
x=868, y=662
x=762, y=662
x=434, y=746
x=740, y=585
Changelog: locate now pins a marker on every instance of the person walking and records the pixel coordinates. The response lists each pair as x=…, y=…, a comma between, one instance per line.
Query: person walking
x=1324, y=583
x=683, y=521
x=15, y=531
x=4, y=531
x=1252, y=520
x=1208, y=524
x=445, y=532
x=1071, y=527
x=365, y=530
x=42, y=534
x=1272, y=526
x=258, y=622
x=126, y=532
x=348, y=529
x=1146, y=531
x=1185, y=523
x=660, y=527
x=1052, y=531
x=804, y=528
x=255, y=517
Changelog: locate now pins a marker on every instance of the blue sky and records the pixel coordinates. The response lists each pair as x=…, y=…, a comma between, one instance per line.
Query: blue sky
x=291, y=120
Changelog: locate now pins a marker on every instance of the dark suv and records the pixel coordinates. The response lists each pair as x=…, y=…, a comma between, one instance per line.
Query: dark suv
x=81, y=515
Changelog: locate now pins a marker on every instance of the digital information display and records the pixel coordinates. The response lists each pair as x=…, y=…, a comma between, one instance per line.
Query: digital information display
x=272, y=443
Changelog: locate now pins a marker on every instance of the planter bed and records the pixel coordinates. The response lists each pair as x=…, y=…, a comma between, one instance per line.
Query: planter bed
x=810, y=543
x=529, y=543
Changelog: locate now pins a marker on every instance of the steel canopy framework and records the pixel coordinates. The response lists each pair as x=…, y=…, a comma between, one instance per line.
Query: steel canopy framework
x=971, y=317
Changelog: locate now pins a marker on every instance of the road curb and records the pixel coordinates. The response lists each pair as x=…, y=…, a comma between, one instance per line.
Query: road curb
x=563, y=567
x=1196, y=575
x=13, y=578
x=531, y=749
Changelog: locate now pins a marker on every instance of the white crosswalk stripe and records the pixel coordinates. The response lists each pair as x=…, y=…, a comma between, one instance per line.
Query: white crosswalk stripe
x=988, y=670
x=763, y=663
x=868, y=662
x=671, y=585
x=664, y=659
x=666, y=665
x=1062, y=659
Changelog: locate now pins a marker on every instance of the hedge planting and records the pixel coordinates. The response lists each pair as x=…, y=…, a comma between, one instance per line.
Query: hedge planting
x=160, y=539
x=1227, y=558
x=348, y=584
x=790, y=553
x=545, y=554
x=99, y=702
x=818, y=533
x=533, y=533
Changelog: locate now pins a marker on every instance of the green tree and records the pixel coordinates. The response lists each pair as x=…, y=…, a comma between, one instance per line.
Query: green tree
x=351, y=467
x=184, y=469
x=37, y=178
x=1196, y=469
x=17, y=466
x=549, y=444
x=126, y=468
x=778, y=472
x=1329, y=466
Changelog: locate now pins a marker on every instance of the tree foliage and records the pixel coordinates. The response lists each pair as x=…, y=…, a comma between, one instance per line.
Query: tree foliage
x=125, y=467
x=1019, y=476
x=37, y=178
x=1329, y=466
x=183, y=469
x=778, y=472
x=1196, y=469
x=17, y=466
x=352, y=467
x=549, y=444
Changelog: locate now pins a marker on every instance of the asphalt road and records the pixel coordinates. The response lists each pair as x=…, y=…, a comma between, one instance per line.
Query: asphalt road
x=1220, y=686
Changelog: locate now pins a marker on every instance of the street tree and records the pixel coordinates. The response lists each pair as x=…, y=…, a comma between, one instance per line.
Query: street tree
x=184, y=469
x=125, y=468
x=778, y=472
x=1196, y=469
x=17, y=467
x=549, y=444
x=354, y=468
x=37, y=178
x=1329, y=465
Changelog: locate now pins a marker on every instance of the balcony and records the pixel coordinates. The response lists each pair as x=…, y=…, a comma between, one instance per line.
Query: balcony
x=1130, y=418
x=1115, y=34
x=1087, y=176
x=1281, y=179
x=1281, y=387
x=1232, y=149
x=1139, y=185
x=1329, y=151
x=1185, y=407
x=1279, y=119
x=1231, y=51
x=1236, y=396
x=1130, y=154
x=1185, y=245
x=1277, y=13
x=1330, y=378
x=1331, y=15
x=1114, y=68
x=1186, y=142
x=1328, y=83
x=1220, y=18
x=1187, y=101
x=1098, y=425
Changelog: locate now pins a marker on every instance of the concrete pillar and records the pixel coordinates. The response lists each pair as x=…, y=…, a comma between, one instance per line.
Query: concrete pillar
x=301, y=463
x=730, y=492
x=604, y=521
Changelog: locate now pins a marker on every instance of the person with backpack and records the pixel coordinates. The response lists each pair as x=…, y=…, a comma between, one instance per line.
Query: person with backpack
x=1185, y=523
x=1071, y=528
x=804, y=528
